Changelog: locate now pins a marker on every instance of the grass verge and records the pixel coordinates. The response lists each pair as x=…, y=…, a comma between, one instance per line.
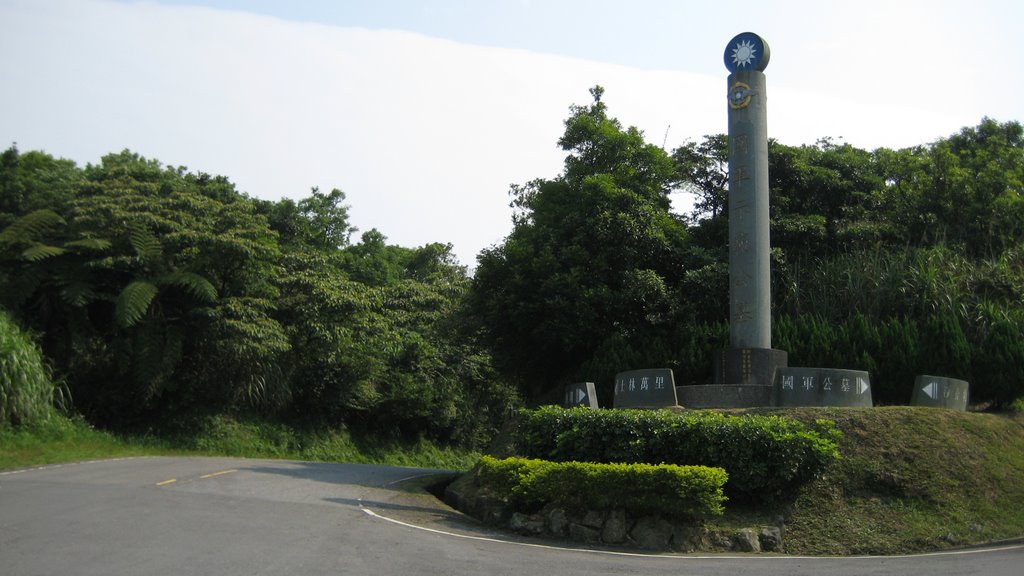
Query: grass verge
x=910, y=480
x=65, y=440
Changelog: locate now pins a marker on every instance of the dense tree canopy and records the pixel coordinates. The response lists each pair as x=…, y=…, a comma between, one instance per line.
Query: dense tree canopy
x=900, y=262
x=592, y=263
x=159, y=293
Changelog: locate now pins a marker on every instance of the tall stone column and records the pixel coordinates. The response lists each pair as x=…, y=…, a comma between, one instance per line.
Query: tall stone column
x=749, y=242
x=751, y=359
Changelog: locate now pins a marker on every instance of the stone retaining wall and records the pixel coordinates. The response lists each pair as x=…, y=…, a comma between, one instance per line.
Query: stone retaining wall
x=609, y=527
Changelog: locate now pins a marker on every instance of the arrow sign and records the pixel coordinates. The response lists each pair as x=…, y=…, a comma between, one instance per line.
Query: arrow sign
x=862, y=386
x=580, y=395
x=932, y=390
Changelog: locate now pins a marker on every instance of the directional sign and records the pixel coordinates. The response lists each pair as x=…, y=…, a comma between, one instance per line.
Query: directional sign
x=796, y=386
x=580, y=394
x=941, y=392
x=932, y=390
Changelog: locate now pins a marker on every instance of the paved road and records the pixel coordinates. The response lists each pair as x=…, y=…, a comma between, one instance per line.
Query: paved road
x=178, y=516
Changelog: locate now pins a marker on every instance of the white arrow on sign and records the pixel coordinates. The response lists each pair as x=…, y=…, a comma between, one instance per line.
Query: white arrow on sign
x=932, y=390
x=862, y=385
x=580, y=395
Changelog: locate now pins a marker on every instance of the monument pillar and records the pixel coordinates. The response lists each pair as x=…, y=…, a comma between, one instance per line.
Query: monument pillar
x=750, y=359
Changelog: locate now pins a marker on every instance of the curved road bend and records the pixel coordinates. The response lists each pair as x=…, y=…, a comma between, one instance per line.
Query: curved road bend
x=173, y=516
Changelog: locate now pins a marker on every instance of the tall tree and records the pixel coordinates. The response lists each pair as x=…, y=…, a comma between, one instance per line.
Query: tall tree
x=153, y=293
x=593, y=258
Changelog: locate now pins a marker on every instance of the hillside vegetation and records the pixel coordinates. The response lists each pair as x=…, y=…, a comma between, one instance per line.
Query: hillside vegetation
x=909, y=480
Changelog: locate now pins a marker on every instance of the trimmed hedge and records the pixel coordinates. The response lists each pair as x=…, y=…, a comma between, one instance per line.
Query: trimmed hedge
x=691, y=492
x=764, y=455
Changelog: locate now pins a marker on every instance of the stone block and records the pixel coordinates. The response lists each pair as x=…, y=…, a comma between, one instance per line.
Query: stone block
x=593, y=519
x=725, y=396
x=941, y=392
x=557, y=522
x=746, y=540
x=586, y=534
x=748, y=365
x=823, y=387
x=690, y=539
x=649, y=388
x=580, y=394
x=770, y=539
x=615, y=527
x=652, y=533
x=526, y=524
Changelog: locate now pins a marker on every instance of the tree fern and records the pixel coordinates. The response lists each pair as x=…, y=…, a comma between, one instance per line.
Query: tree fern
x=133, y=302
x=146, y=245
x=37, y=252
x=147, y=360
x=28, y=228
x=93, y=244
x=78, y=293
x=197, y=286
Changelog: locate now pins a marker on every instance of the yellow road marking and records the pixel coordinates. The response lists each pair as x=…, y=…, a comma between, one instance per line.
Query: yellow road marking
x=221, y=473
x=166, y=482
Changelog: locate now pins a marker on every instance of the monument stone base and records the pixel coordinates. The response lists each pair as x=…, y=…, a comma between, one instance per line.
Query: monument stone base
x=702, y=396
x=749, y=365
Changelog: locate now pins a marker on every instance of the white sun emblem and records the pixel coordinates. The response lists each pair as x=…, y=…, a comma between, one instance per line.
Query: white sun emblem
x=743, y=53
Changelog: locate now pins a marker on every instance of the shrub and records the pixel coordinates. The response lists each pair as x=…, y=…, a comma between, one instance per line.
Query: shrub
x=764, y=455
x=691, y=492
x=26, y=390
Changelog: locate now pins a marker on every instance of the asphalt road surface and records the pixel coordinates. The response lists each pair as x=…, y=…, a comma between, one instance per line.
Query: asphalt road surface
x=219, y=516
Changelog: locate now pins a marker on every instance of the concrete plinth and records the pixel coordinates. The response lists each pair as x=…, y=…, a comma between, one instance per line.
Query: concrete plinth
x=725, y=396
x=749, y=365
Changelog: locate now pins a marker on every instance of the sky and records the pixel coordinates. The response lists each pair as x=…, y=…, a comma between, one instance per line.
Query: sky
x=425, y=112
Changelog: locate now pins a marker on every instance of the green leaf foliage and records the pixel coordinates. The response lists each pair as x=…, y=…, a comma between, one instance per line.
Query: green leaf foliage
x=26, y=388
x=899, y=262
x=133, y=302
x=684, y=492
x=196, y=286
x=593, y=258
x=38, y=252
x=29, y=227
x=765, y=456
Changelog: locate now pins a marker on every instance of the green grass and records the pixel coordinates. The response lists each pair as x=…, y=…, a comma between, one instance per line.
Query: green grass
x=910, y=480
x=59, y=439
x=65, y=440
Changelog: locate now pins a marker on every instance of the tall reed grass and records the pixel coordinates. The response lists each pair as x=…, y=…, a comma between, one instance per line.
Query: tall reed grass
x=26, y=386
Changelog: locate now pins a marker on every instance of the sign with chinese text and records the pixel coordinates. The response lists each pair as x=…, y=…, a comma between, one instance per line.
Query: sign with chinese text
x=941, y=392
x=823, y=387
x=649, y=388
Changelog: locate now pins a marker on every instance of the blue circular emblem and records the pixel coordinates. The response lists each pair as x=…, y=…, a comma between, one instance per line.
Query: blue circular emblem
x=746, y=52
